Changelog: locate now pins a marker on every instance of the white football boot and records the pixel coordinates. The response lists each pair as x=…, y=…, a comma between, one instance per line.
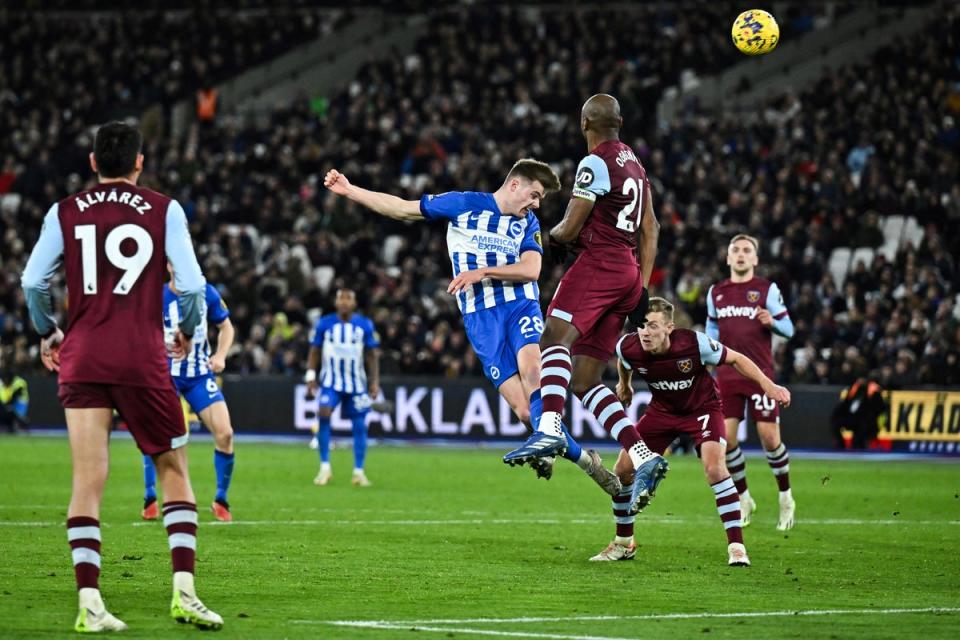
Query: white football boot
x=93, y=616
x=738, y=555
x=186, y=606
x=747, y=507
x=616, y=551
x=787, y=509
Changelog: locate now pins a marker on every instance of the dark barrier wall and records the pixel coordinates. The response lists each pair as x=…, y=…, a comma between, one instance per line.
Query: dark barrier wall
x=433, y=408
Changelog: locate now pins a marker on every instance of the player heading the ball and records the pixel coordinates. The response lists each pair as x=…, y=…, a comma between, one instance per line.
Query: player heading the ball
x=495, y=251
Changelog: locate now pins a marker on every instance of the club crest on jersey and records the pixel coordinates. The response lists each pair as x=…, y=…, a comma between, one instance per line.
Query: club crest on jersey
x=685, y=365
x=753, y=296
x=516, y=229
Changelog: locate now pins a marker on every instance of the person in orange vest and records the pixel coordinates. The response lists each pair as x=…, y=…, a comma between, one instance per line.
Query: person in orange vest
x=206, y=104
x=859, y=410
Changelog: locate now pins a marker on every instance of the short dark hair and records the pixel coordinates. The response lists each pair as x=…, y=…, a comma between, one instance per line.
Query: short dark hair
x=116, y=148
x=531, y=169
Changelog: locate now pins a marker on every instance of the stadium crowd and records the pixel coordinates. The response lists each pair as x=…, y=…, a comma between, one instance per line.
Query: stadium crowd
x=806, y=173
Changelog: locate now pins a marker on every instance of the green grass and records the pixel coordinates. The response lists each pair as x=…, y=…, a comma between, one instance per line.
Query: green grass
x=454, y=534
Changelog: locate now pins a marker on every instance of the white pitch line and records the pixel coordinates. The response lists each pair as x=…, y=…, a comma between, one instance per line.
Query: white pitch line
x=488, y=632
x=427, y=625
x=687, y=616
x=505, y=521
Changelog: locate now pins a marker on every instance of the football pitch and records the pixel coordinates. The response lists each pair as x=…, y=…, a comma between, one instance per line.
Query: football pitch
x=453, y=544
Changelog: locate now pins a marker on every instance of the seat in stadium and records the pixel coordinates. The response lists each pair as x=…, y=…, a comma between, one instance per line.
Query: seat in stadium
x=863, y=254
x=323, y=276
x=912, y=232
x=893, y=228
x=839, y=265
x=391, y=247
x=889, y=250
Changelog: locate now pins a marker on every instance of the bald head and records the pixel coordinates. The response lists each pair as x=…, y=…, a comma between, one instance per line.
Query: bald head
x=601, y=113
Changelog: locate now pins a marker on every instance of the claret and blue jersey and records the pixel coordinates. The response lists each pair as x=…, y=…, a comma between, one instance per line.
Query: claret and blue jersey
x=500, y=317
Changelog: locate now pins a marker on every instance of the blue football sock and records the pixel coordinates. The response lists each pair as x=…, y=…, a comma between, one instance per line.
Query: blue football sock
x=149, y=479
x=223, y=464
x=359, y=441
x=536, y=411
x=323, y=439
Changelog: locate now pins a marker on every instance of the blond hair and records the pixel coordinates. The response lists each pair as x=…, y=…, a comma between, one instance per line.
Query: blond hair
x=748, y=238
x=661, y=305
x=531, y=169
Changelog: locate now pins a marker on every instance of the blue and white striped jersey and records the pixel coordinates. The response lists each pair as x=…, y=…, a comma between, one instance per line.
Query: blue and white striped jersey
x=213, y=309
x=478, y=236
x=341, y=367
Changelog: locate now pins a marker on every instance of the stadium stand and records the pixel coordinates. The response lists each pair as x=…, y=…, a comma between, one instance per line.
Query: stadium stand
x=858, y=204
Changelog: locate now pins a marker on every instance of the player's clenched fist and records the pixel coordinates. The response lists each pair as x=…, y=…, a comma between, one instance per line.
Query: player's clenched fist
x=765, y=317
x=336, y=182
x=778, y=393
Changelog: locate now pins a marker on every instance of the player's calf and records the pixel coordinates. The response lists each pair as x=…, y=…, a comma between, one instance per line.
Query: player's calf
x=623, y=546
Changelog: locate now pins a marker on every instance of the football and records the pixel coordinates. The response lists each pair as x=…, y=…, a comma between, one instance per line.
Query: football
x=755, y=32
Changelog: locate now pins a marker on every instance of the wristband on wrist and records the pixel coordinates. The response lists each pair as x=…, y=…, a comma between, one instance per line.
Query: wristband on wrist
x=310, y=376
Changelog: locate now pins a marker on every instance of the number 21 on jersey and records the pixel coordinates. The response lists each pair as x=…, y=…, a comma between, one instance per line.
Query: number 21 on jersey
x=132, y=265
x=628, y=216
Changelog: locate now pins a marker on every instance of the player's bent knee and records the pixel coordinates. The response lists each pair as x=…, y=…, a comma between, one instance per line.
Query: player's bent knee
x=224, y=438
x=715, y=470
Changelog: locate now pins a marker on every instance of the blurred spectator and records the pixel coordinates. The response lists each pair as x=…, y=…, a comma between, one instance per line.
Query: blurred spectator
x=859, y=410
x=14, y=400
x=807, y=172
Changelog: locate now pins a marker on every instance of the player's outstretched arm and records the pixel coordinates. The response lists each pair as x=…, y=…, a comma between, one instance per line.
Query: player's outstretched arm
x=748, y=369
x=382, y=203
x=526, y=270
